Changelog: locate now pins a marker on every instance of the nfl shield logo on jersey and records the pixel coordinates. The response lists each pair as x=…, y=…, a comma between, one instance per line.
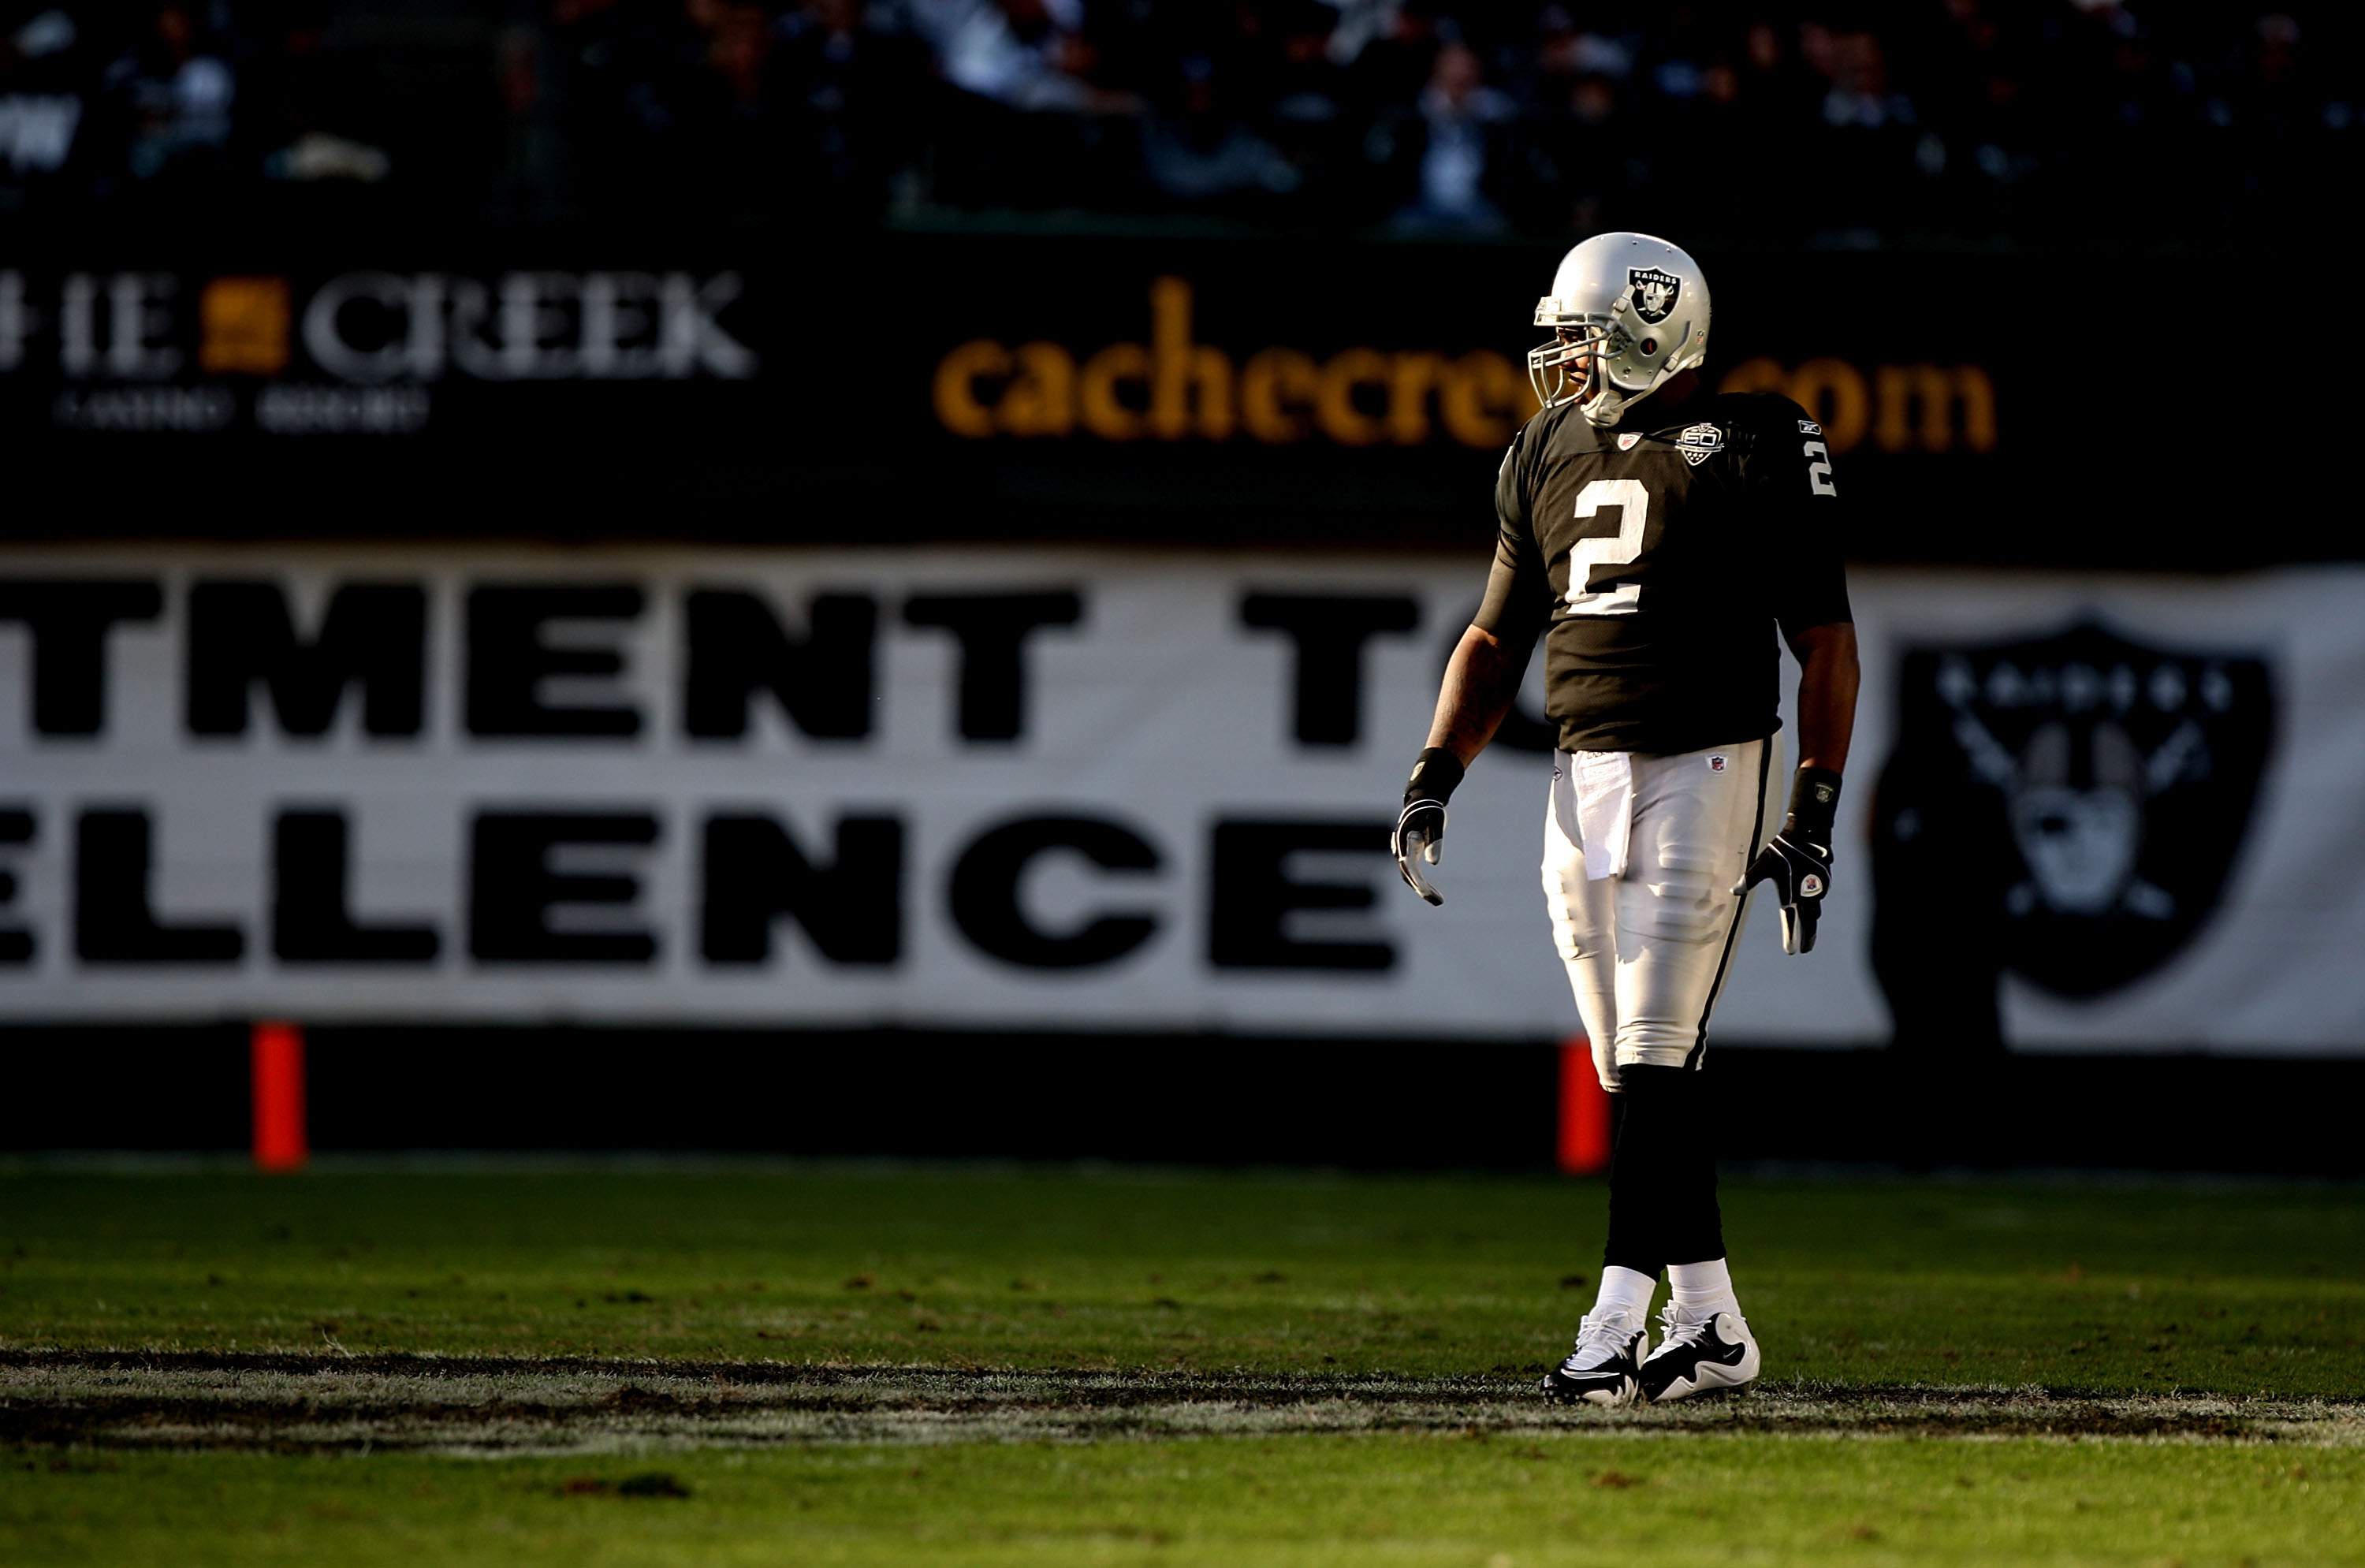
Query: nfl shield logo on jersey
x=1626, y=442
x=1653, y=292
x=2086, y=794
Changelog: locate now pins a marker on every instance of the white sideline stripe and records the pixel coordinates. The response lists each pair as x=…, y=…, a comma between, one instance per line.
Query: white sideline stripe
x=498, y=1412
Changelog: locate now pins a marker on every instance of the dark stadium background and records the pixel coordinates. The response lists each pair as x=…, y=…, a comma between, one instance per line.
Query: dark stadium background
x=2124, y=217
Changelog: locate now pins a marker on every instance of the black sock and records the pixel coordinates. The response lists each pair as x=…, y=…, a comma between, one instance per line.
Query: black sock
x=1662, y=1172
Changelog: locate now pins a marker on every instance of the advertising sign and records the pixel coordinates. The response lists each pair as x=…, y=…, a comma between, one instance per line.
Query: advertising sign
x=1098, y=789
x=653, y=386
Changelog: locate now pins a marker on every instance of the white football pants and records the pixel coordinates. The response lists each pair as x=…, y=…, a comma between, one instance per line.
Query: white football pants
x=1641, y=855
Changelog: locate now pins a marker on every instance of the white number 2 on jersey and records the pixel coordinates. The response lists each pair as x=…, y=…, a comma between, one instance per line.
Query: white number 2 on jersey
x=1819, y=468
x=1633, y=504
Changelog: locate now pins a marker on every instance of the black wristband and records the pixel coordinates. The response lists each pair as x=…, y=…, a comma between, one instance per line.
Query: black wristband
x=1434, y=776
x=1814, y=801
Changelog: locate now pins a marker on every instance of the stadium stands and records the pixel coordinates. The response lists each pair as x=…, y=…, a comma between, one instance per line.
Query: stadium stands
x=2036, y=123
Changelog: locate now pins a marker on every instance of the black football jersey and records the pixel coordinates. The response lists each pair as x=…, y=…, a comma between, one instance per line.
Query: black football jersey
x=1658, y=557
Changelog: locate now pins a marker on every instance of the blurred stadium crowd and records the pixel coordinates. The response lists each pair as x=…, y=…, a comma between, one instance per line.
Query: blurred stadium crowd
x=1835, y=122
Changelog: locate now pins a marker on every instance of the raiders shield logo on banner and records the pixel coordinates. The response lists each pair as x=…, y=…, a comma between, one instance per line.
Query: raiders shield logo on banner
x=2067, y=809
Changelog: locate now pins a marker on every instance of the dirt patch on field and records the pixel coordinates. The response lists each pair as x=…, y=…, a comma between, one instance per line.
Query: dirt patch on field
x=132, y=1399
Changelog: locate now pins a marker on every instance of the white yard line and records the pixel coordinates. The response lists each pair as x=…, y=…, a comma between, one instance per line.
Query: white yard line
x=489, y=1407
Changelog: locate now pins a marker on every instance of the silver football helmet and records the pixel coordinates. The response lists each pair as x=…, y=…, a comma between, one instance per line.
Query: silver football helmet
x=1638, y=305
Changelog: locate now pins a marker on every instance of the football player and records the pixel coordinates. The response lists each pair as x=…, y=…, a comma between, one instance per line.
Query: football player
x=1656, y=536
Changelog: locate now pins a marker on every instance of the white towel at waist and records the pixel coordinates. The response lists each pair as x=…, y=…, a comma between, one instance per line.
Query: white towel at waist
x=1605, y=809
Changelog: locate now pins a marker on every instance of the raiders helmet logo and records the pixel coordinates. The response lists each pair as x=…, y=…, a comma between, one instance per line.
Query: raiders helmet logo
x=1652, y=292
x=2075, y=804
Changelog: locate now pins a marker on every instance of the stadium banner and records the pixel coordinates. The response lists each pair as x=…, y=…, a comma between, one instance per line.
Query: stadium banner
x=1102, y=789
x=965, y=387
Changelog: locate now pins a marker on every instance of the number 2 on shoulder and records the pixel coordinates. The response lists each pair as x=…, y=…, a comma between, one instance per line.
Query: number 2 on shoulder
x=1620, y=549
x=1819, y=469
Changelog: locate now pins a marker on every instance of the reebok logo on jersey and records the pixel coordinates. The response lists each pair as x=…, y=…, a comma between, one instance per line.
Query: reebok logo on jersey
x=1653, y=292
x=1699, y=443
x=1809, y=426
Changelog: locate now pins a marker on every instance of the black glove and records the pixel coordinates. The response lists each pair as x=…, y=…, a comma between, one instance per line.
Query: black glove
x=1798, y=861
x=1421, y=829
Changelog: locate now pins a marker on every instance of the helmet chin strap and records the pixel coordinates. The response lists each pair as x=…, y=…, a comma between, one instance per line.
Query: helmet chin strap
x=1607, y=404
x=1604, y=402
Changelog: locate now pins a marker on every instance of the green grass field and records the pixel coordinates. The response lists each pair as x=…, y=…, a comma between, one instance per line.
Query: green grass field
x=2172, y=1315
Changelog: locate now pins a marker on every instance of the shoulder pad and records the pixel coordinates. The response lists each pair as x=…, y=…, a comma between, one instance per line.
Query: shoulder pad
x=1761, y=411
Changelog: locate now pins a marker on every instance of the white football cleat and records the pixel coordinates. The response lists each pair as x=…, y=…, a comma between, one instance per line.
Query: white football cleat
x=1601, y=1370
x=1700, y=1352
